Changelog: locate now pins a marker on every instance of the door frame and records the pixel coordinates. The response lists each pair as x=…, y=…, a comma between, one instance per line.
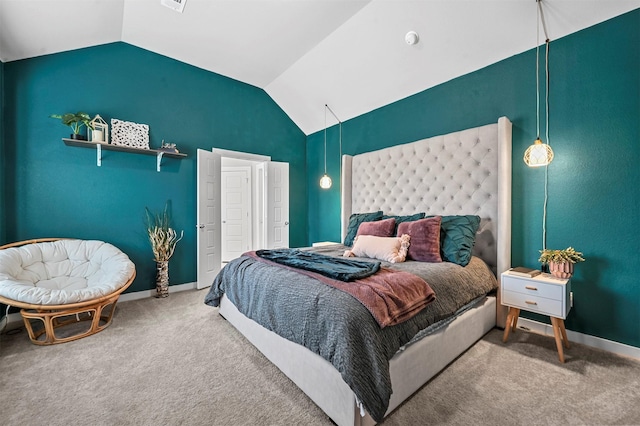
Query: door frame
x=219, y=154
x=208, y=253
x=226, y=153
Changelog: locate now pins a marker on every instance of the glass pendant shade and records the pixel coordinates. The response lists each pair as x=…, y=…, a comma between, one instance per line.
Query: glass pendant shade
x=539, y=154
x=325, y=181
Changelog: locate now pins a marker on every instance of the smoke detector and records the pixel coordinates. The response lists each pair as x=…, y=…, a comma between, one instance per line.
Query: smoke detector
x=412, y=38
x=177, y=5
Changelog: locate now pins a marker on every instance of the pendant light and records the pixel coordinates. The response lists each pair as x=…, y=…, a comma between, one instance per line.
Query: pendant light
x=325, y=180
x=540, y=154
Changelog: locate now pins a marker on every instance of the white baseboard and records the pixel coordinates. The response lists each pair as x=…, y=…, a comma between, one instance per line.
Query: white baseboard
x=151, y=293
x=11, y=322
x=14, y=320
x=584, y=339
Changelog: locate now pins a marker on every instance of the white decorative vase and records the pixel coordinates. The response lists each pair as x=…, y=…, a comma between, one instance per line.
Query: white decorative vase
x=561, y=270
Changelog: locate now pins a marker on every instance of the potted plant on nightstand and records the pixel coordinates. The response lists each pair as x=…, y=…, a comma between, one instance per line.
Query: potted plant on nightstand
x=561, y=261
x=76, y=122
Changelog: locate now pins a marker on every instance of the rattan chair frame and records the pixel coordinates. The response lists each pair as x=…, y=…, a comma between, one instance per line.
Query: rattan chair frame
x=53, y=316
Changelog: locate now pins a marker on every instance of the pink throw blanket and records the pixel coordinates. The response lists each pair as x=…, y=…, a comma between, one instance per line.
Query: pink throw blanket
x=391, y=296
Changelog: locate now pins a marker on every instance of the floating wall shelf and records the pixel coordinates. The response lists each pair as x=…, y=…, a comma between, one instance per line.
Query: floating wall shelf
x=108, y=147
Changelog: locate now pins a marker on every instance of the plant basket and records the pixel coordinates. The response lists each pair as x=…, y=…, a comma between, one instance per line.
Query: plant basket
x=561, y=269
x=162, y=279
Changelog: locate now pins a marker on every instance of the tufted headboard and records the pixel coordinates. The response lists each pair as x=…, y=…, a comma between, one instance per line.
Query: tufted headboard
x=466, y=172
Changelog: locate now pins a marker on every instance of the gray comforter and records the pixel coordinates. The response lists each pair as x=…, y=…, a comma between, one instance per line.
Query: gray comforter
x=335, y=325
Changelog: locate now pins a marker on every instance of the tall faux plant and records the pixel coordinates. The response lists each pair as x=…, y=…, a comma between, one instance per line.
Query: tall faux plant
x=163, y=239
x=162, y=236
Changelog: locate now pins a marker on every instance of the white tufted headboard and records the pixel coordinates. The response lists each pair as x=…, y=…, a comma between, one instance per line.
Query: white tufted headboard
x=466, y=172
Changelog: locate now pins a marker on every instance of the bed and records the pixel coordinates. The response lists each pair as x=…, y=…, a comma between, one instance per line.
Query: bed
x=462, y=173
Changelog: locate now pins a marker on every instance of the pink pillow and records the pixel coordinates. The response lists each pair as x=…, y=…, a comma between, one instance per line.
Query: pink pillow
x=425, y=238
x=379, y=228
x=391, y=249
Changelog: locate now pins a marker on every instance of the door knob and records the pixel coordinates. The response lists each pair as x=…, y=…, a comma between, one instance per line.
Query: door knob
x=200, y=226
x=286, y=223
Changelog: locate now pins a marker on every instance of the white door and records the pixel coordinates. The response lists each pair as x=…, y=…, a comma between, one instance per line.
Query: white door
x=259, y=208
x=236, y=212
x=208, y=217
x=277, y=202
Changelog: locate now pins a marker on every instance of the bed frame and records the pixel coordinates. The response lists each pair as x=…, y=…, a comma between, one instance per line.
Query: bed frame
x=466, y=172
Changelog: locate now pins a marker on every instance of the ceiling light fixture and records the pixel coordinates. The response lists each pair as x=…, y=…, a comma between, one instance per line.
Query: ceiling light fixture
x=325, y=180
x=177, y=5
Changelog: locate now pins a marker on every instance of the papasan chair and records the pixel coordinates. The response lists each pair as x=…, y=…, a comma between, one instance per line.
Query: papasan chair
x=65, y=284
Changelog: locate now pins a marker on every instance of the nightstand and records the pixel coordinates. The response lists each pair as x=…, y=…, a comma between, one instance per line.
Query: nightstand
x=323, y=243
x=543, y=294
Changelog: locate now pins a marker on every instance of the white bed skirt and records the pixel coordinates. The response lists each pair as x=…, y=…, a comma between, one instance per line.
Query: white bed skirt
x=409, y=369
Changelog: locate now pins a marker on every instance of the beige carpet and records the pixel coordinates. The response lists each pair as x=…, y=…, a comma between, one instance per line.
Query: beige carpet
x=175, y=361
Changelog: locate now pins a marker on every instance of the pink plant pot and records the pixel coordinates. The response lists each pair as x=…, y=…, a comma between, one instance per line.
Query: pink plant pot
x=561, y=270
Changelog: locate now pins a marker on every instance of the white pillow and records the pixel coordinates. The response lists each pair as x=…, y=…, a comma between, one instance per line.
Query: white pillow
x=391, y=249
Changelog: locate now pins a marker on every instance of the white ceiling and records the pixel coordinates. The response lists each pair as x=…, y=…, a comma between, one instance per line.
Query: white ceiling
x=349, y=54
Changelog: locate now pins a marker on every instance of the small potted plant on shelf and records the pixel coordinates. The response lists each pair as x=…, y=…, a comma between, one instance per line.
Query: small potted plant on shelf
x=561, y=261
x=76, y=121
x=163, y=239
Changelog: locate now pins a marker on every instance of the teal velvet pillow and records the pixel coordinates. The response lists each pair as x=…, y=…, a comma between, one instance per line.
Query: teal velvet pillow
x=400, y=219
x=354, y=223
x=457, y=237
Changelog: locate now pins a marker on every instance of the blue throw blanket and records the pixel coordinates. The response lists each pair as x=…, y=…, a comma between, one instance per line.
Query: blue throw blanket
x=338, y=268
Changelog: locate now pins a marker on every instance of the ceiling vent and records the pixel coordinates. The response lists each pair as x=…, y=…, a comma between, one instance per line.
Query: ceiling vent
x=177, y=5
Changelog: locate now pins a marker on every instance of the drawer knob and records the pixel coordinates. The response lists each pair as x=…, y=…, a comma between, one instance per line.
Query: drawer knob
x=530, y=287
x=529, y=302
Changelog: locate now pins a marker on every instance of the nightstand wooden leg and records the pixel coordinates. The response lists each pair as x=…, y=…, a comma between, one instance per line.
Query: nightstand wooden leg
x=512, y=320
x=555, y=322
x=516, y=315
x=564, y=333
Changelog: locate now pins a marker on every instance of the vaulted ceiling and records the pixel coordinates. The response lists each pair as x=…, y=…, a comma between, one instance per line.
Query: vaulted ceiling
x=349, y=54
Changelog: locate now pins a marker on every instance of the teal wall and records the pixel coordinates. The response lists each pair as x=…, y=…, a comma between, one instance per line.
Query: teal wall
x=56, y=190
x=594, y=181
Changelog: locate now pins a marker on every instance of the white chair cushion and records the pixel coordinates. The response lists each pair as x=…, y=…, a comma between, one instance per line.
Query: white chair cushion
x=62, y=272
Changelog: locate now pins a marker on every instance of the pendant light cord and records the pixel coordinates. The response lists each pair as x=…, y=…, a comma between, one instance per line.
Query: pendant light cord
x=539, y=10
x=546, y=167
x=327, y=107
x=325, y=138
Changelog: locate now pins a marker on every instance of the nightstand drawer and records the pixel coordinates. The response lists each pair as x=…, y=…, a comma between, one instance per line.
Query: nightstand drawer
x=531, y=303
x=533, y=288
